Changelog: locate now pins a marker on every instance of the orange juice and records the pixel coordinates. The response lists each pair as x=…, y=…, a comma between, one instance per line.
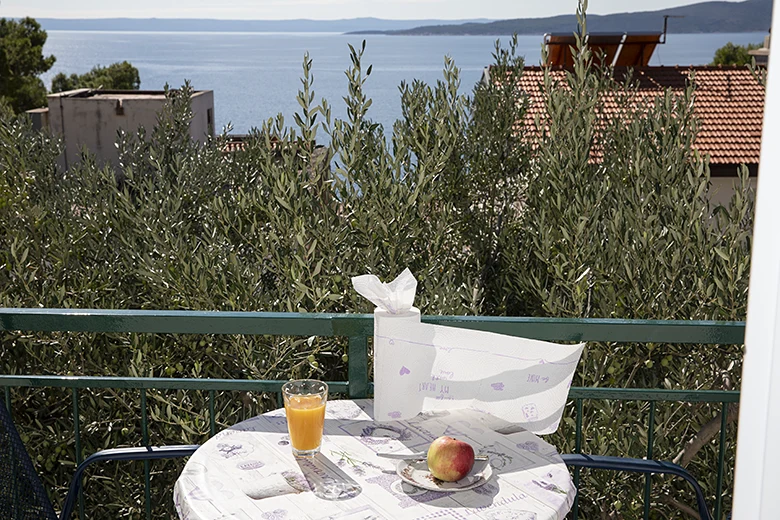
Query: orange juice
x=305, y=420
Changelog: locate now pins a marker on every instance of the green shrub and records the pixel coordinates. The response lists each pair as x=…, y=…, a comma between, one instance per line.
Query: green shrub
x=731, y=54
x=494, y=216
x=21, y=61
x=117, y=76
x=632, y=236
x=179, y=226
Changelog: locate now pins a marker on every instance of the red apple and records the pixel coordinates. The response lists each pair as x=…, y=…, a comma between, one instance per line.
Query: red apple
x=450, y=459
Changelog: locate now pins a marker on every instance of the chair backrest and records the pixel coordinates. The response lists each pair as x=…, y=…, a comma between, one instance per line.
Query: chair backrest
x=22, y=496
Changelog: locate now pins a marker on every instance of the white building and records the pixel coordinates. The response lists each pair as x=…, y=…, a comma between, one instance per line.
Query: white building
x=762, y=53
x=90, y=119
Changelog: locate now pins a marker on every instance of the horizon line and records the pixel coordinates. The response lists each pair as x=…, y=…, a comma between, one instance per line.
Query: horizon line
x=269, y=19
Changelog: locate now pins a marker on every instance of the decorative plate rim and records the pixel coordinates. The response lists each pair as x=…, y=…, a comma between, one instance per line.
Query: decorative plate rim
x=482, y=469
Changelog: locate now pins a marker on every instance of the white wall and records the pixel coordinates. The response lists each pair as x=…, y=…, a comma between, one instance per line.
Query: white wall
x=94, y=121
x=202, y=124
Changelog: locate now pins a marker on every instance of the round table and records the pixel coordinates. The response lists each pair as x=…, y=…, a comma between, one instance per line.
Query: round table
x=248, y=472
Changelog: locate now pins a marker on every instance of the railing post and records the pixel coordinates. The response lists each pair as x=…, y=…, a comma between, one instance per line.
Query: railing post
x=577, y=449
x=358, y=367
x=212, y=416
x=77, y=433
x=147, y=468
x=14, y=482
x=650, y=441
x=724, y=413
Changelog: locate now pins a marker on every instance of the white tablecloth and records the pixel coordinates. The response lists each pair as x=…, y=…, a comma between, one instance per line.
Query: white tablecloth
x=247, y=472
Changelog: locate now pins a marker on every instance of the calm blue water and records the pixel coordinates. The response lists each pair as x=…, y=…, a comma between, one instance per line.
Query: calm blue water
x=254, y=76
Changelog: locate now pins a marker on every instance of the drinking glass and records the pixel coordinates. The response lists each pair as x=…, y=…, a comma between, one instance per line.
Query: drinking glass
x=304, y=404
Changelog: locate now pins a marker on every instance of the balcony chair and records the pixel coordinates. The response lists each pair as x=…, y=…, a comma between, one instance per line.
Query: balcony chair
x=639, y=466
x=22, y=495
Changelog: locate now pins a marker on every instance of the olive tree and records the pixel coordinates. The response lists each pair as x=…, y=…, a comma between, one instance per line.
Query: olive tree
x=573, y=214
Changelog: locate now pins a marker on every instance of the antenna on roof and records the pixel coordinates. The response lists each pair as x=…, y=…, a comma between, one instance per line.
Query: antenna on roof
x=666, y=21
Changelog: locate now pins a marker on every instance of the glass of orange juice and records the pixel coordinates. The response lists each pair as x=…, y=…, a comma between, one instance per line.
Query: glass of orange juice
x=304, y=405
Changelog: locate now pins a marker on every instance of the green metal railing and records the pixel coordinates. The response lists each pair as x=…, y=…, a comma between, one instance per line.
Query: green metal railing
x=358, y=328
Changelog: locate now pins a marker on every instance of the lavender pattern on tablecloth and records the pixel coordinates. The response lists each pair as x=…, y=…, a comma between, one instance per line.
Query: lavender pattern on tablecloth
x=524, y=467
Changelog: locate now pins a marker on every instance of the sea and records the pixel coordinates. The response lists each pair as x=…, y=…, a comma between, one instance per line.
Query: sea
x=256, y=76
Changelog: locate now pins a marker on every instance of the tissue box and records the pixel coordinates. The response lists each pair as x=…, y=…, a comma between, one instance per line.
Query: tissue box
x=420, y=367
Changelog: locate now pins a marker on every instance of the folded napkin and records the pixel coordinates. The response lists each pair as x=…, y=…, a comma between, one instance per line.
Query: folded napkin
x=420, y=367
x=273, y=485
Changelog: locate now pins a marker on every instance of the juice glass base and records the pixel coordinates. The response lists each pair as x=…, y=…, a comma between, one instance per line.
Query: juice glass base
x=305, y=454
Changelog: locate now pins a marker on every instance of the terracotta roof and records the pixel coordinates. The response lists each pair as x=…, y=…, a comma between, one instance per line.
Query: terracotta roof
x=240, y=142
x=235, y=143
x=728, y=102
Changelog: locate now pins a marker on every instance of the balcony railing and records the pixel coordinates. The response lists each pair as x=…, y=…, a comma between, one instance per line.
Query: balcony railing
x=358, y=328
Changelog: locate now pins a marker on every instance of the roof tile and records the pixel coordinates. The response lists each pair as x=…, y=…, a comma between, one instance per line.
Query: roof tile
x=728, y=102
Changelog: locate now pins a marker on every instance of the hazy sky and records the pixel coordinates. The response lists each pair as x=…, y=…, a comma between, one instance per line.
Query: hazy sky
x=318, y=9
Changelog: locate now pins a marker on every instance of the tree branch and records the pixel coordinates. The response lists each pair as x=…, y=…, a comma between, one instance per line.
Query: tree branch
x=705, y=435
x=688, y=510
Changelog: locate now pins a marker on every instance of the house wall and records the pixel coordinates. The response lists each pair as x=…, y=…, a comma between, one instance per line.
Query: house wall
x=92, y=122
x=202, y=124
x=39, y=118
x=722, y=189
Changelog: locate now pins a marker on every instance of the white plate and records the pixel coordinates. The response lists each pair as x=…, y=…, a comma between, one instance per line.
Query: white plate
x=416, y=473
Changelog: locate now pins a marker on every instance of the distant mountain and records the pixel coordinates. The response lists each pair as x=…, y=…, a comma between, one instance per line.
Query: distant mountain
x=706, y=17
x=203, y=25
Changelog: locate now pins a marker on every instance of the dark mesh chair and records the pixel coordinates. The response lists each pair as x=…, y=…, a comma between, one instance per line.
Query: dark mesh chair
x=22, y=496
x=647, y=467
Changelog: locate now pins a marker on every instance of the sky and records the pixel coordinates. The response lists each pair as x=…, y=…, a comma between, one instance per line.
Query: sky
x=319, y=9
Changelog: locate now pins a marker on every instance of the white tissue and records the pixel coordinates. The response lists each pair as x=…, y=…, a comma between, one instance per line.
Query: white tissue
x=420, y=367
x=394, y=297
